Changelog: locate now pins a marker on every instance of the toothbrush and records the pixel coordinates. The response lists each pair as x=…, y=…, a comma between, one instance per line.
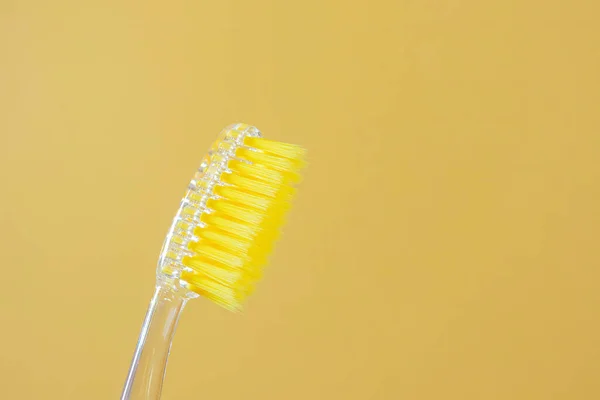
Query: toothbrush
x=218, y=242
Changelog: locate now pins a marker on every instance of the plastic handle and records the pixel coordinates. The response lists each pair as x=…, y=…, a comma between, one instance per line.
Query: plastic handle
x=147, y=371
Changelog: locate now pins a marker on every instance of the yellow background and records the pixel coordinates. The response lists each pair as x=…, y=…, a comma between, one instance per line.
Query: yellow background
x=444, y=244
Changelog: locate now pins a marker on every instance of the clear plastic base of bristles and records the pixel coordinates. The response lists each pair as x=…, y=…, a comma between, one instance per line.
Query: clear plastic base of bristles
x=193, y=205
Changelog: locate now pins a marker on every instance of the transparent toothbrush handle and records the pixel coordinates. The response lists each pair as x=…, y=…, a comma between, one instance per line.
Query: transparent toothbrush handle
x=147, y=371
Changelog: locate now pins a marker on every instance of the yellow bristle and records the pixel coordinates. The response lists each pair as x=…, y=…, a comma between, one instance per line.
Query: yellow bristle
x=249, y=184
x=223, y=256
x=259, y=172
x=285, y=150
x=237, y=211
x=243, y=197
x=269, y=160
x=242, y=216
x=228, y=225
x=225, y=240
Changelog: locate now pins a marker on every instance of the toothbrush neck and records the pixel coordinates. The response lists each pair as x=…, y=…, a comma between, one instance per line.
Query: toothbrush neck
x=147, y=371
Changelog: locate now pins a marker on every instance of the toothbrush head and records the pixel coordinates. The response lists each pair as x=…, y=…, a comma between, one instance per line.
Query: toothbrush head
x=231, y=216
